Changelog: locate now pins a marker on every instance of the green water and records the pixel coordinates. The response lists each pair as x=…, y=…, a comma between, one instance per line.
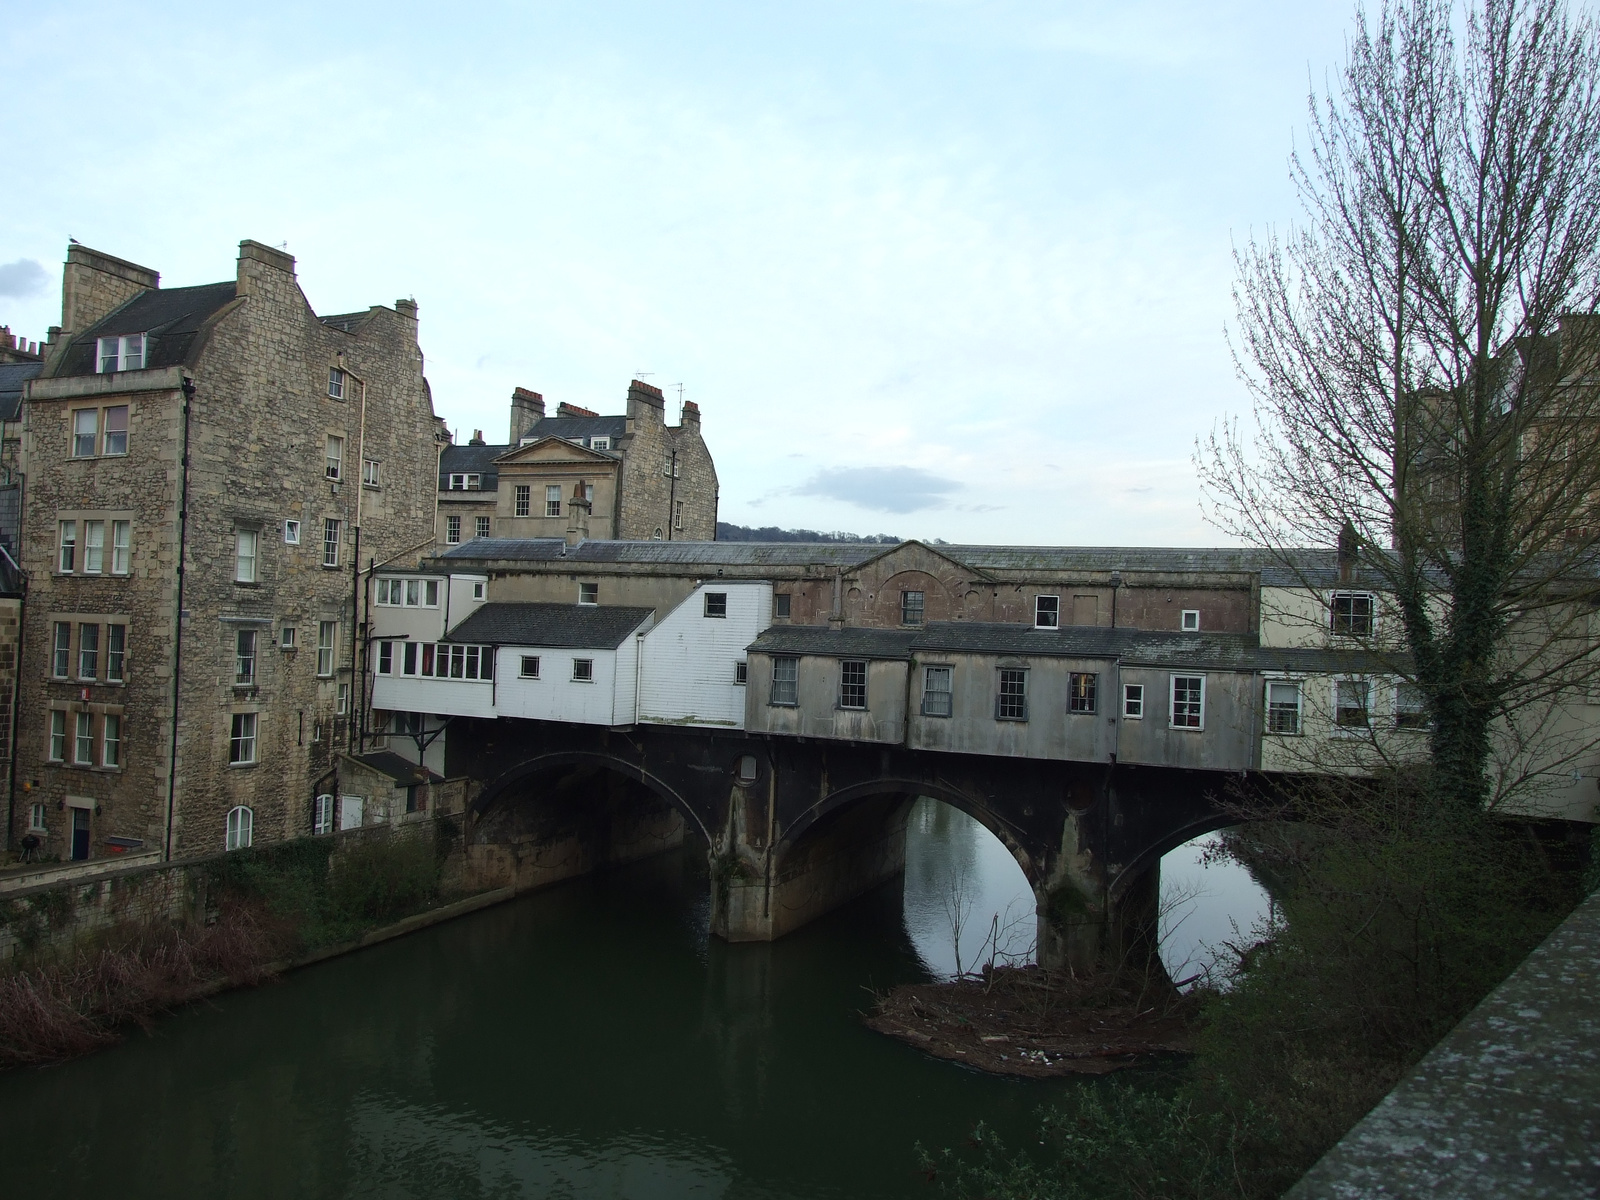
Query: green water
x=589, y=1040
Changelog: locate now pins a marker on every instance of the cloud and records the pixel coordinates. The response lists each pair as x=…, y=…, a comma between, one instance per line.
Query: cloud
x=883, y=489
x=21, y=278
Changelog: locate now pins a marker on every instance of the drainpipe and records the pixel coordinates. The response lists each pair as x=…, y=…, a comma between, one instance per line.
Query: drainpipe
x=366, y=648
x=672, y=494
x=355, y=567
x=1116, y=582
x=177, y=621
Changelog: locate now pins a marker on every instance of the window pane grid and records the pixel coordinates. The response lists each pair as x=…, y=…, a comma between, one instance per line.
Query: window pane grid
x=1012, y=702
x=1187, y=701
x=785, y=680
x=937, y=700
x=911, y=607
x=1283, y=708
x=852, y=685
x=1082, y=688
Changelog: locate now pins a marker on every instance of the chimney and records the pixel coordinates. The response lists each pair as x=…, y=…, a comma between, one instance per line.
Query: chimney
x=572, y=410
x=476, y=439
x=527, y=410
x=406, y=308
x=263, y=269
x=645, y=403
x=691, y=414
x=1349, y=552
x=578, y=515
x=93, y=284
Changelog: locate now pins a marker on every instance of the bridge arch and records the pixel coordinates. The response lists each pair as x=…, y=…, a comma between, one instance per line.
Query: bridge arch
x=1152, y=854
x=510, y=780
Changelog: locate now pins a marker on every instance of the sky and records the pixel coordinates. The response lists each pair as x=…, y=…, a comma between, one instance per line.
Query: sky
x=935, y=268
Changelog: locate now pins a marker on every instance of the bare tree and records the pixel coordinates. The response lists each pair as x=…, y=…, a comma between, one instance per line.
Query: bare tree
x=1421, y=355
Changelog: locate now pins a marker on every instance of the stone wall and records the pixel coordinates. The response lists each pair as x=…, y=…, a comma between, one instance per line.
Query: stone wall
x=649, y=490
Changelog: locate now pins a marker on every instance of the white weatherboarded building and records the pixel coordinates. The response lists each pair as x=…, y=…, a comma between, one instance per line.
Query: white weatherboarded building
x=693, y=665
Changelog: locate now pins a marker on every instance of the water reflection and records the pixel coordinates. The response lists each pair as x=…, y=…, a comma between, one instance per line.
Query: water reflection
x=1205, y=905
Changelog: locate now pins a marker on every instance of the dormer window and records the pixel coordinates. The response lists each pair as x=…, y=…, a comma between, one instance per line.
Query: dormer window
x=465, y=483
x=600, y=443
x=125, y=352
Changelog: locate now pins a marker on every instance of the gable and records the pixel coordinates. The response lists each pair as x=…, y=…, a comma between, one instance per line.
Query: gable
x=915, y=556
x=553, y=449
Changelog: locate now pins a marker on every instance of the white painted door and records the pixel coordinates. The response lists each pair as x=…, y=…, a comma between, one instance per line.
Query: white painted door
x=349, y=812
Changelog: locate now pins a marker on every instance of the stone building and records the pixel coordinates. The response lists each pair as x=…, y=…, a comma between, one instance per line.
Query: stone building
x=645, y=479
x=207, y=470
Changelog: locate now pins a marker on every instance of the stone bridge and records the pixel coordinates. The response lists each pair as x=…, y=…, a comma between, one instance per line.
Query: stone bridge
x=797, y=827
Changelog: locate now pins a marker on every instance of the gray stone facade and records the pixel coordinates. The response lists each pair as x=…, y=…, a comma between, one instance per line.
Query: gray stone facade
x=273, y=518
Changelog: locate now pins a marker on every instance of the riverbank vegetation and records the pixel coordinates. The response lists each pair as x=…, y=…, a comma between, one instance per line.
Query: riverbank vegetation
x=264, y=909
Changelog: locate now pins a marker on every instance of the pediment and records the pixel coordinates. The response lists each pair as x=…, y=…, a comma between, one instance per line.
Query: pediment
x=553, y=449
x=918, y=556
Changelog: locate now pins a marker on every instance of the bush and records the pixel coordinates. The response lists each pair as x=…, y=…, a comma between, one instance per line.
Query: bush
x=383, y=879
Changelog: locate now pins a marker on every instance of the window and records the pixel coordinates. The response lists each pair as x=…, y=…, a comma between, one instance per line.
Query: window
x=385, y=658
x=410, y=667
x=83, y=740
x=852, y=684
x=1351, y=703
x=335, y=460
x=116, y=430
x=68, y=538
x=1283, y=708
x=1133, y=701
x=369, y=472
x=936, y=696
x=116, y=652
x=244, y=555
x=741, y=672
x=58, y=735
x=111, y=741
x=242, y=740
x=785, y=680
x=1188, y=701
x=430, y=593
x=1047, y=612
x=94, y=547
x=88, y=651
x=36, y=818
x=677, y=514
x=244, y=657
x=452, y=530
x=1012, y=702
x=780, y=605
x=335, y=383
x=286, y=638
x=85, y=432
x=458, y=483
x=121, y=547
x=656, y=536
x=716, y=604
x=327, y=632
x=483, y=527
x=669, y=463
x=1353, y=613
x=600, y=443
x=241, y=823
x=1190, y=620
x=588, y=593
x=524, y=500
x=124, y=352
x=583, y=670
x=1081, y=689
x=61, y=659
x=322, y=815
x=342, y=701
x=529, y=668
x=552, y=500
x=330, y=542
x=1410, y=709
x=291, y=533
x=477, y=591
x=911, y=606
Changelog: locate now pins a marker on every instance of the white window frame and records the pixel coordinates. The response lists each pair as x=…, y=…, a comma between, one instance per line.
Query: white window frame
x=94, y=547
x=322, y=815
x=1189, y=620
x=333, y=466
x=552, y=500
x=722, y=602
x=1039, y=611
x=1337, y=730
x=121, y=547
x=330, y=544
x=118, y=352
x=1172, y=701
x=56, y=751
x=523, y=500
x=588, y=594
x=111, y=740
x=1395, y=710
x=452, y=530
x=243, y=732
x=478, y=587
x=522, y=667
x=85, y=444
x=1133, y=701
x=36, y=819
x=481, y=527
x=600, y=443
x=948, y=692
x=246, y=644
x=371, y=472
x=116, y=652
x=1372, y=617
x=1298, y=684
x=327, y=648
x=341, y=705
x=241, y=828
x=336, y=378
x=741, y=673
x=83, y=739
x=291, y=533
x=583, y=670
x=66, y=546
x=288, y=638
x=107, y=433
x=246, y=566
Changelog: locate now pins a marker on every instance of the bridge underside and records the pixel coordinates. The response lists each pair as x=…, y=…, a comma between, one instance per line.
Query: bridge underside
x=794, y=828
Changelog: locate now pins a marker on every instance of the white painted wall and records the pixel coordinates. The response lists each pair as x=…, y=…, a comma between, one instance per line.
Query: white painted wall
x=425, y=694
x=555, y=695
x=460, y=604
x=687, y=669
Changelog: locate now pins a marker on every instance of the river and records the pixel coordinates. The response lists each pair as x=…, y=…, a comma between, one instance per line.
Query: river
x=589, y=1040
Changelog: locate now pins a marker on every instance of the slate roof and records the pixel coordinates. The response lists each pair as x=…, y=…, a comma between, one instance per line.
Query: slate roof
x=564, y=626
x=12, y=376
x=346, y=321
x=402, y=771
x=712, y=554
x=579, y=427
x=1139, y=647
x=471, y=460
x=171, y=316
